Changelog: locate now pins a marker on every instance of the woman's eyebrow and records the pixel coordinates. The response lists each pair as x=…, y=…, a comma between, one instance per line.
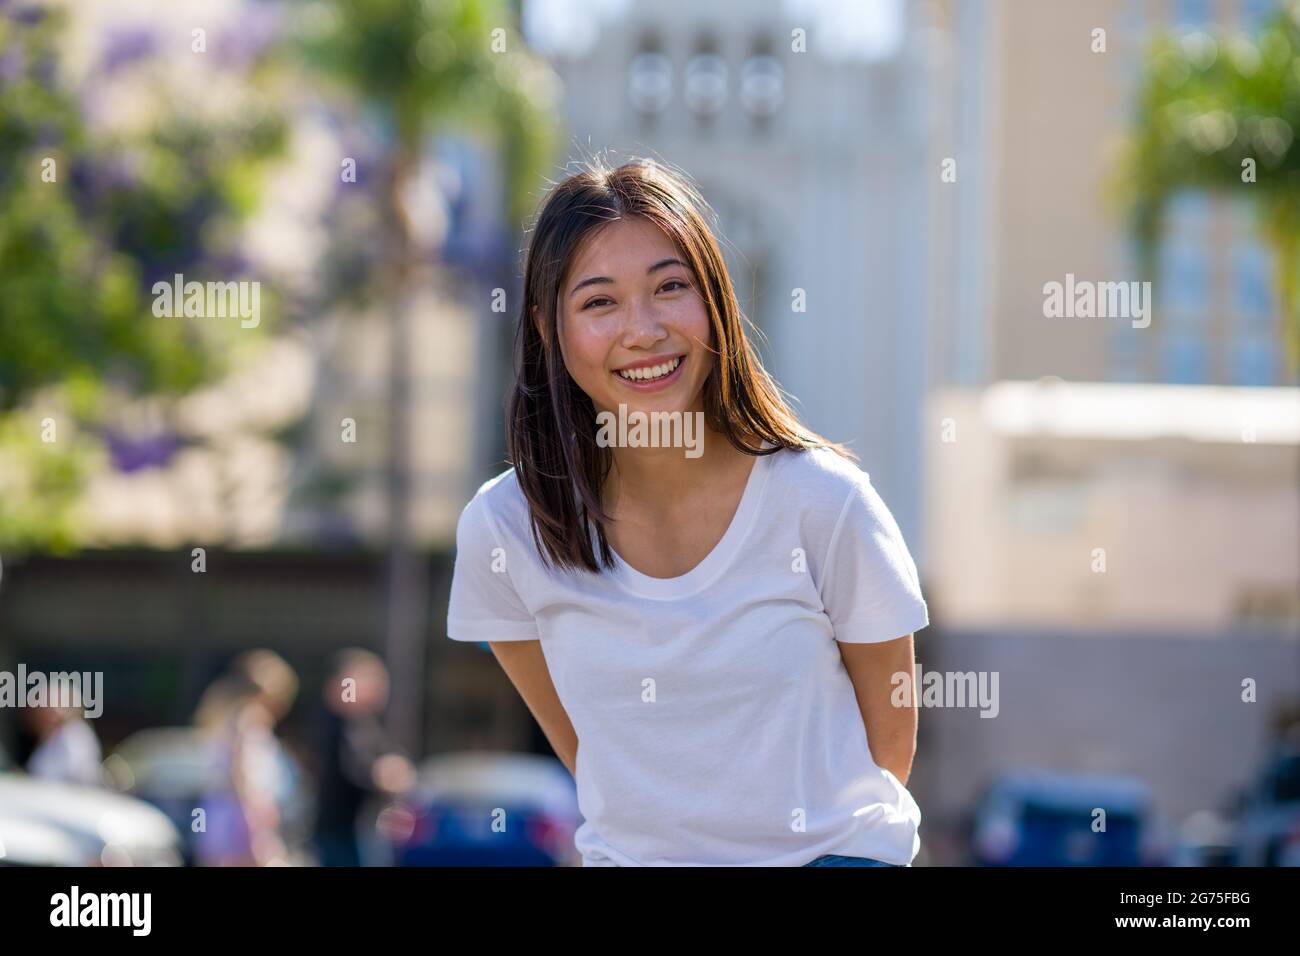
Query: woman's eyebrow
x=597, y=280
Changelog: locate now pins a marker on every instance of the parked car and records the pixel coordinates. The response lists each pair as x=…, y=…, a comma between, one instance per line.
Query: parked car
x=1269, y=829
x=1045, y=818
x=47, y=823
x=485, y=809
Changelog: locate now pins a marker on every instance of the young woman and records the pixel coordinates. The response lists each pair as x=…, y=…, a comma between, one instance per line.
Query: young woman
x=709, y=635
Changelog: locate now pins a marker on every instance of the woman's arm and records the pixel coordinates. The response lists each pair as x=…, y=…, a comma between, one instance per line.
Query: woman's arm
x=526, y=667
x=891, y=731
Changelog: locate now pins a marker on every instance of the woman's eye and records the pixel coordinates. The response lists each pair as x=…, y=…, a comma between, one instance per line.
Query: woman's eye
x=666, y=287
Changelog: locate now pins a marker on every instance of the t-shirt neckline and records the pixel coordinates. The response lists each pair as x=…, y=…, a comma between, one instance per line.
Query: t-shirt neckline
x=716, y=561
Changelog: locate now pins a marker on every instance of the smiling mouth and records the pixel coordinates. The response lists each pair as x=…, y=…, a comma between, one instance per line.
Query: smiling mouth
x=651, y=373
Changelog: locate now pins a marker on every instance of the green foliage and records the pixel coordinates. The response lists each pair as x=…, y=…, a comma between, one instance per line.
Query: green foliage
x=1209, y=108
x=40, y=483
x=87, y=222
x=76, y=252
x=430, y=64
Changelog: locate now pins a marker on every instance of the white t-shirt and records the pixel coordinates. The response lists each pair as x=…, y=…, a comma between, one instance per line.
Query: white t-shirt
x=70, y=754
x=717, y=724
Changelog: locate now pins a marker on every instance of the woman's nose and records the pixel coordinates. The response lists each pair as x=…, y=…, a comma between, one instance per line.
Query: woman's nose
x=643, y=326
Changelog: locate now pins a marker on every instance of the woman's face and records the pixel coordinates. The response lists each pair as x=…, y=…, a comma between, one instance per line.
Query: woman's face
x=633, y=329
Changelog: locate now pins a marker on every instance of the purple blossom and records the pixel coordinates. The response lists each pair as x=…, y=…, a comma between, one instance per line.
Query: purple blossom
x=13, y=62
x=258, y=27
x=94, y=181
x=29, y=15
x=131, y=454
x=126, y=45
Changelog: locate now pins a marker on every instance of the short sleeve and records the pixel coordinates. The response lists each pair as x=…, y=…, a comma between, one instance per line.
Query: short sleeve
x=870, y=587
x=484, y=605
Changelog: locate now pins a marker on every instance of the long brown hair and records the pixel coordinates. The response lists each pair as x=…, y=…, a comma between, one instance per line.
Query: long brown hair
x=551, y=422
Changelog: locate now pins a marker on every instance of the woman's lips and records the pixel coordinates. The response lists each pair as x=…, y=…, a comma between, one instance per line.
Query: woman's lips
x=653, y=385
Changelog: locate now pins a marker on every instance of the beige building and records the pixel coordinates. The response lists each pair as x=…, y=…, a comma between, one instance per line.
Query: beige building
x=1105, y=507
x=1129, y=472
x=1032, y=118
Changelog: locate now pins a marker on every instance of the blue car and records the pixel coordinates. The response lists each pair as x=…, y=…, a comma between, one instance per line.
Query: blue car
x=1045, y=818
x=485, y=809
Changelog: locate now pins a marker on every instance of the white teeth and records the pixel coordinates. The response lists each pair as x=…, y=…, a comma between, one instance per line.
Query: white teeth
x=653, y=372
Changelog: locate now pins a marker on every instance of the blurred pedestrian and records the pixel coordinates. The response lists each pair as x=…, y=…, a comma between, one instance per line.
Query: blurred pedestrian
x=67, y=748
x=271, y=769
x=241, y=818
x=357, y=759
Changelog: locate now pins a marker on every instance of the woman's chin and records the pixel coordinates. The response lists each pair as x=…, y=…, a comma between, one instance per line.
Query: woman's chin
x=651, y=424
x=631, y=411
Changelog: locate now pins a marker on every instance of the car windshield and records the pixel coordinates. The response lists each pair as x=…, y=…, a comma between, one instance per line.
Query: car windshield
x=1052, y=815
x=1051, y=824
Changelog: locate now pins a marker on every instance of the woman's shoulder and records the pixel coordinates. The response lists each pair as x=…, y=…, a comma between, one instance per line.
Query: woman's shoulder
x=496, y=507
x=819, y=477
x=499, y=490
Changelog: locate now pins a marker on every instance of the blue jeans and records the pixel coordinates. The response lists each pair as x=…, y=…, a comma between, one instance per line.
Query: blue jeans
x=832, y=859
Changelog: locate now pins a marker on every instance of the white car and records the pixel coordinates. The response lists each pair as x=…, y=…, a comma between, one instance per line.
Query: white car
x=44, y=823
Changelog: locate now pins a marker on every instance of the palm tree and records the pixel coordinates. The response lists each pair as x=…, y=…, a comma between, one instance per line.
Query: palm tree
x=1222, y=114
x=422, y=66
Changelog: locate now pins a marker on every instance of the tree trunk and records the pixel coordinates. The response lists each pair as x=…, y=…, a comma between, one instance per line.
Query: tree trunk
x=404, y=640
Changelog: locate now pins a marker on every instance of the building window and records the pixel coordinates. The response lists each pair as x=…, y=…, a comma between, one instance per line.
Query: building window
x=1184, y=286
x=650, y=83
x=1252, y=294
x=1183, y=358
x=762, y=86
x=1182, y=291
x=1255, y=342
x=1254, y=360
x=705, y=88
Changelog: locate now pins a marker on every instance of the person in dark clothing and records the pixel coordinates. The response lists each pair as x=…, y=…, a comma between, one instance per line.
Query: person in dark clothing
x=356, y=758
